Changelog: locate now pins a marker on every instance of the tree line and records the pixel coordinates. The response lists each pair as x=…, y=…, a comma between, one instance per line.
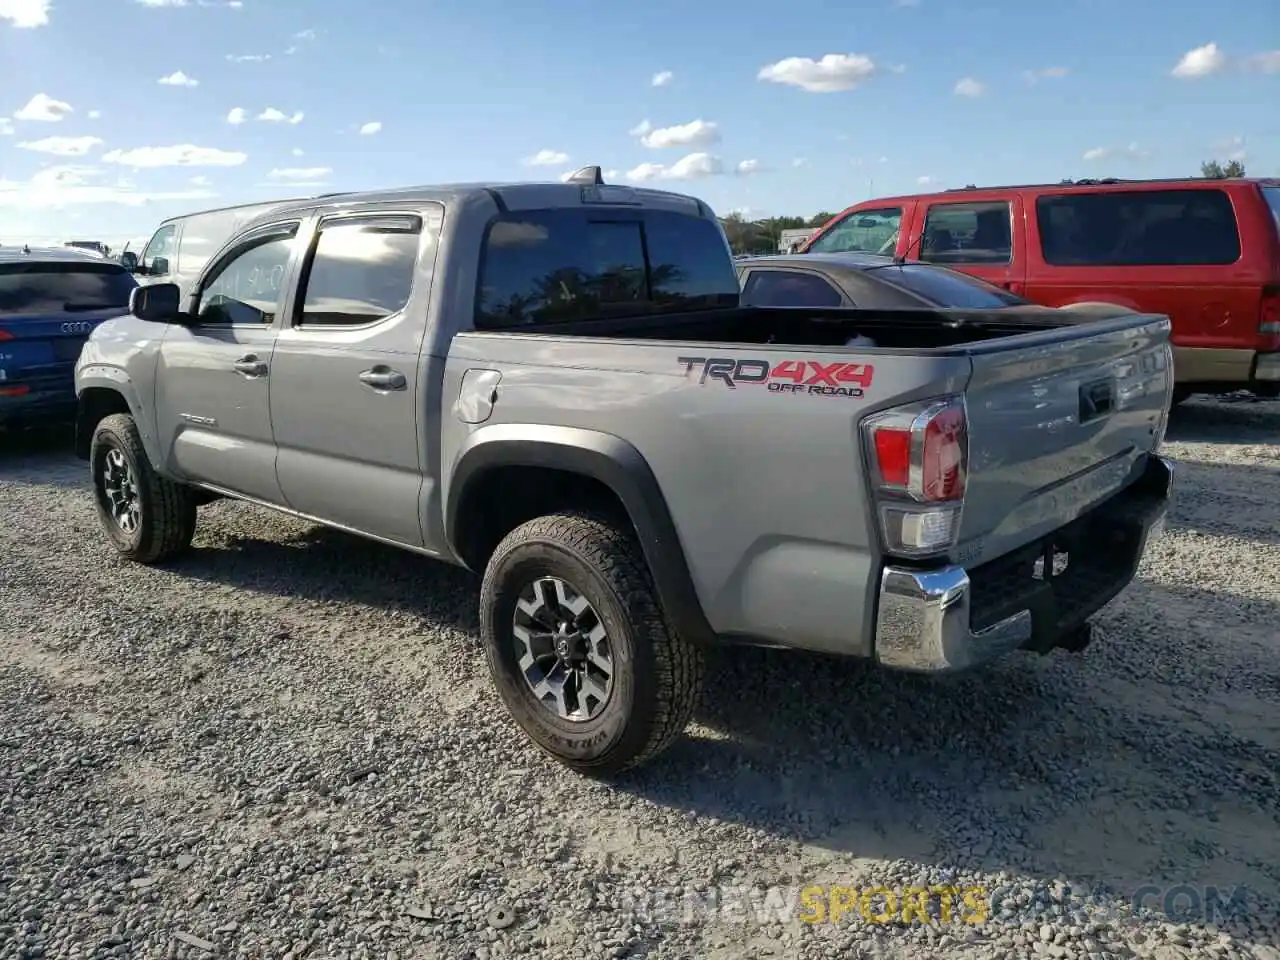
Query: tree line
x=763, y=236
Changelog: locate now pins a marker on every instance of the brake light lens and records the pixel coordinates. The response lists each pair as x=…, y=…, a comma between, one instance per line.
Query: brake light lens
x=5, y=335
x=919, y=461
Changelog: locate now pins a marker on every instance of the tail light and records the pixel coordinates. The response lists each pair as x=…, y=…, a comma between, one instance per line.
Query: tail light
x=1269, y=318
x=5, y=335
x=919, y=455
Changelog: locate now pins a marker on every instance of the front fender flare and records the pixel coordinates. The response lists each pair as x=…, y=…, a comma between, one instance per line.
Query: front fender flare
x=113, y=379
x=612, y=461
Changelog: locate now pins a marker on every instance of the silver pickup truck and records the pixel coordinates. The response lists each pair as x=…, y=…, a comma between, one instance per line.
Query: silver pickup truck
x=554, y=386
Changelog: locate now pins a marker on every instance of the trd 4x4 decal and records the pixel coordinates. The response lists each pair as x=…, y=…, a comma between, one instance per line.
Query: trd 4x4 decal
x=808, y=377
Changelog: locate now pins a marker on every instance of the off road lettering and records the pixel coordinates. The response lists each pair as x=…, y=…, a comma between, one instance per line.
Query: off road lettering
x=808, y=377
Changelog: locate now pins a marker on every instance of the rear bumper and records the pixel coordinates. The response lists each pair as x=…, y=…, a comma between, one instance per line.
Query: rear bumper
x=1267, y=369
x=39, y=405
x=951, y=618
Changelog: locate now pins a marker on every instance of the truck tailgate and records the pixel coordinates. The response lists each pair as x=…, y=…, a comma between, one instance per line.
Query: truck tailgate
x=1058, y=421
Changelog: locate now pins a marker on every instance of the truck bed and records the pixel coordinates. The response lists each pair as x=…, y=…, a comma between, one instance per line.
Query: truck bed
x=750, y=418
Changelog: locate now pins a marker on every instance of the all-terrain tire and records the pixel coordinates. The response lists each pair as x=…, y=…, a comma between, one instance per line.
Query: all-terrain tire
x=167, y=510
x=657, y=674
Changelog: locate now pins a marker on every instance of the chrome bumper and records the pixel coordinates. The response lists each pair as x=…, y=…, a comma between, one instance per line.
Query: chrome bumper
x=923, y=620
x=1267, y=367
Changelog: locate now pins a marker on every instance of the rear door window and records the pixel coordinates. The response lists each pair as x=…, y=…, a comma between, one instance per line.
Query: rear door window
x=563, y=265
x=975, y=232
x=1138, y=228
x=789, y=288
x=866, y=231
x=41, y=288
x=1272, y=195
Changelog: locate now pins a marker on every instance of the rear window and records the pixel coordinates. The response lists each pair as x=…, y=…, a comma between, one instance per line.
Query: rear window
x=563, y=265
x=1273, y=201
x=1138, y=228
x=63, y=287
x=946, y=288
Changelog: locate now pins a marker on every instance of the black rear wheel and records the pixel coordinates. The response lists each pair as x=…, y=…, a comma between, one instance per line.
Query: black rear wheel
x=578, y=648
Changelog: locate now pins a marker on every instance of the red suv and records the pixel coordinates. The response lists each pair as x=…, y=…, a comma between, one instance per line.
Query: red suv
x=1204, y=252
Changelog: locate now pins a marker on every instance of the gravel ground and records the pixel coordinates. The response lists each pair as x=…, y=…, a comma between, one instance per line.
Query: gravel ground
x=286, y=746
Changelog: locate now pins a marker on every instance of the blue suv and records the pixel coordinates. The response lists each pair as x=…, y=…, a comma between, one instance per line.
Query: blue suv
x=50, y=301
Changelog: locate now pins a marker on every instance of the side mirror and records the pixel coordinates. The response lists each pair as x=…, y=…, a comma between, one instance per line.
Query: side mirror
x=129, y=260
x=157, y=303
x=159, y=266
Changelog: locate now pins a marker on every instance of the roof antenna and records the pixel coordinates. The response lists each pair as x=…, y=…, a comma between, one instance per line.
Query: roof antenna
x=592, y=175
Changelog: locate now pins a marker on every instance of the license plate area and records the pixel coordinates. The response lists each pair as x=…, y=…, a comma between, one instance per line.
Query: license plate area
x=1097, y=400
x=68, y=348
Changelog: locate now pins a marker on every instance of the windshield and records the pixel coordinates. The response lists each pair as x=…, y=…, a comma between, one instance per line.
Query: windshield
x=946, y=288
x=1273, y=201
x=58, y=287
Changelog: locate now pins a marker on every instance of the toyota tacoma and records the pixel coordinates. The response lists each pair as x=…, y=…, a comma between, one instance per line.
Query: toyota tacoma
x=555, y=386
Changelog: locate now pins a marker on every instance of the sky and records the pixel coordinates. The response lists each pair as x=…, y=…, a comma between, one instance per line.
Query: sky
x=115, y=114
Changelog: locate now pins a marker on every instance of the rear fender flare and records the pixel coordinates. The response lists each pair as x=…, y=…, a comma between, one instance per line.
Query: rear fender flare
x=613, y=462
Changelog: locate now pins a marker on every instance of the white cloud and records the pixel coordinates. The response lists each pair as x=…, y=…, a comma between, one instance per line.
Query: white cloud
x=640, y=129
x=546, y=158
x=1044, y=73
x=898, y=68
x=62, y=146
x=748, y=167
x=94, y=114
x=1268, y=62
x=200, y=181
x=6, y=127
x=163, y=3
x=44, y=108
x=181, y=155
x=662, y=78
x=272, y=115
x=237, y=116
x=305, y=35
x=1230, y=148
x=1131, y=152
x=799, y=162
x=370, y=128
x=969, y=87
x=77, y=186
x=833, y=73
x=248, y=57
x=903, y=4
x=695, y=133
x=925, y=181
x=25, y=14
x=178, y=79
x=1200, y=62
x=296, y=152
x=692, y=167
x=296, y=174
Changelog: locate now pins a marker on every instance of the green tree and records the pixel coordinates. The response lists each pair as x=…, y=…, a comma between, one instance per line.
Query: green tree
x=1213, y=170
x=819, y=219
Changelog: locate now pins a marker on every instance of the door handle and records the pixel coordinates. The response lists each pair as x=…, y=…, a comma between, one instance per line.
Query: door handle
x=251, y=367
x=383, y=378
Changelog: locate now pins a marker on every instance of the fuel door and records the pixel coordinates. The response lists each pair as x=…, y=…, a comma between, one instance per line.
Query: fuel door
x=477, y=395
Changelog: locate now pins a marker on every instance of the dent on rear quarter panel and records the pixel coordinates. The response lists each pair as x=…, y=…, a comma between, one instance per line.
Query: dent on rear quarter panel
x=766, y=490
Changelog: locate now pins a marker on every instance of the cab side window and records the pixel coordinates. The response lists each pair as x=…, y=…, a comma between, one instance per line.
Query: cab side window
x=248, y=288
x=788, y=288
x=361, y=271
x=863, y=231
x=968, y=233
x=157, y=258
